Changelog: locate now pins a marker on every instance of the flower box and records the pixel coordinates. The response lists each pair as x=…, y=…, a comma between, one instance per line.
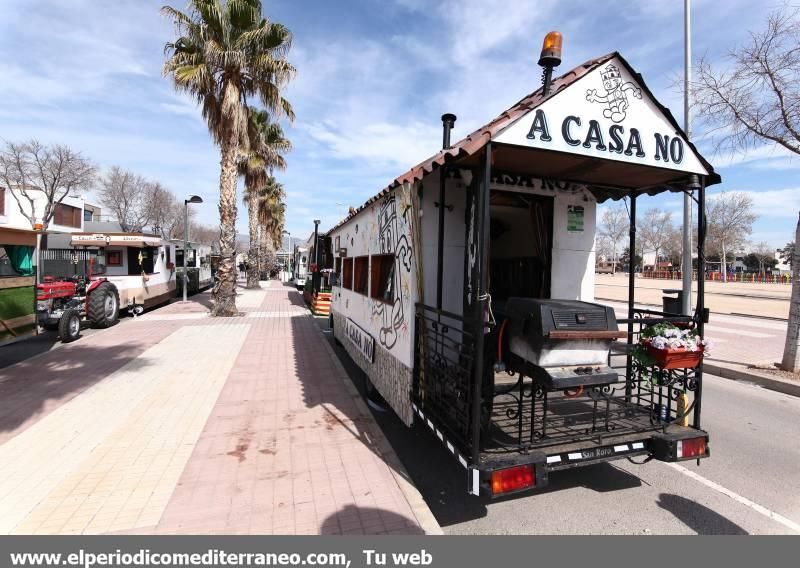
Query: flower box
x=679, y=358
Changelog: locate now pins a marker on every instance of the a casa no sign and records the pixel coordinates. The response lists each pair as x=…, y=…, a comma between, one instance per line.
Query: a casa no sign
x=607, y=115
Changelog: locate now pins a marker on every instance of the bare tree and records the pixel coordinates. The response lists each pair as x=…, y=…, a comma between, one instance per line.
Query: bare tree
x=730, y=220
x=127, y=196
x=614, y=227
x=40, y=176
x=765, y=255
x=756, y=99
x=166, y=212
x=204, y=234
x=791, y=349
x=674, y=247
x=656, y=231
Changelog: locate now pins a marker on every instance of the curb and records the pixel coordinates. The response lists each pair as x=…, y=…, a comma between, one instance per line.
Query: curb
x=422, y=512
x=777, y=385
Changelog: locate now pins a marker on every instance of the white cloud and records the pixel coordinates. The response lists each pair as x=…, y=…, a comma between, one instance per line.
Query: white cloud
x=774, y=203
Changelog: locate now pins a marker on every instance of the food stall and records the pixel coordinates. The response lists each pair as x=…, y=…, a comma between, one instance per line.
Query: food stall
x=465, y=289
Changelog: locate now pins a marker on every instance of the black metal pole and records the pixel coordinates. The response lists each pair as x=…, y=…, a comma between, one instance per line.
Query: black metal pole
x=315, y=276
x=547, y=79
x=631, y=293
x=701, y=285
x=481, y=296
x=448, y=121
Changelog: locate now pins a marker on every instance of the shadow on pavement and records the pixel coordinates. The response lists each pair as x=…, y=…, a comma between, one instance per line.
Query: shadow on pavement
x=443, y=482
x=31, y=387
x=368, y=520
x=698, y=517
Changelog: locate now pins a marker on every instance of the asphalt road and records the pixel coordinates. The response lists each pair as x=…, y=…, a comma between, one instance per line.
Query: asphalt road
x=744, y=340
x=748, y=485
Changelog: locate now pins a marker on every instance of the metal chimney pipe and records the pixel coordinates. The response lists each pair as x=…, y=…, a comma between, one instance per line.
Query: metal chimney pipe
x=448, y=122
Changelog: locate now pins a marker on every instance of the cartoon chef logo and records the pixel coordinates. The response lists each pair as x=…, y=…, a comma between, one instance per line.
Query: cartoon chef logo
x=616, y=96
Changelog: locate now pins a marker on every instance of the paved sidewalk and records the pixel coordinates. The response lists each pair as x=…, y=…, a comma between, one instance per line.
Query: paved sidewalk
x=181, y=423
x=760, y=300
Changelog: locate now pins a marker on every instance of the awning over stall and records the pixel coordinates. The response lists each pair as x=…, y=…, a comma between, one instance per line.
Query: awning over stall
x=10, y=236
x=135, y=240
x=600, y=125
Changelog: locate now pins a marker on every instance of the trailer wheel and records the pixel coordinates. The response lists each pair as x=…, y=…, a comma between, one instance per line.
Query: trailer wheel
x=374, y=397
x=103, y=308
x=69, y=326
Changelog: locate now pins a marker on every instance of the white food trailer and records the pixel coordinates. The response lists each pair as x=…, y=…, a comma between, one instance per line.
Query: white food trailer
x=141, y=266
x=197, y=261
x=464, y=289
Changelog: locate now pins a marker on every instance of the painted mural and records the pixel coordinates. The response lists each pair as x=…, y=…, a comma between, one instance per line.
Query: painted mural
x=383, y=228
x=392, y=237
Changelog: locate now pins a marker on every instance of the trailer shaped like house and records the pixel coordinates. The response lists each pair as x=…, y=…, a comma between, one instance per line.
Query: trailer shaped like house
x=140, y=265
x=465, y=288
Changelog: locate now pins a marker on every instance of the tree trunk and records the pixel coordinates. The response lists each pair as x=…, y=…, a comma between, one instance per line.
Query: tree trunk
x=724, y=263
x=791, y=351
x=252, y=254
x=262, y=247
x=224, y=293
x=614, y=260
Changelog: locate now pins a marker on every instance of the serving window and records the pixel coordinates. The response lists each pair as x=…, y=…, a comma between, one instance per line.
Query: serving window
x=347, y=273
x=382, y=278
x=113, y=258
x=361, y=275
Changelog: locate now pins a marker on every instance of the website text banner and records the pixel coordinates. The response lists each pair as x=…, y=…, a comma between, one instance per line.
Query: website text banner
x=357, y=552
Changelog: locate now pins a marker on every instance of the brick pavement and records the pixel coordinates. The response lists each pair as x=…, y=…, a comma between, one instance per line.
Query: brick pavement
x=181, y=423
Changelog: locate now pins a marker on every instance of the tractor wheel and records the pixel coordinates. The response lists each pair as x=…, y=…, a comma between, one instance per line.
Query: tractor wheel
x=103, y=308
x=69, y=326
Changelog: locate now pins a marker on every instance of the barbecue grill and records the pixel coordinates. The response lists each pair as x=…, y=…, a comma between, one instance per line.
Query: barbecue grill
x=562, y=343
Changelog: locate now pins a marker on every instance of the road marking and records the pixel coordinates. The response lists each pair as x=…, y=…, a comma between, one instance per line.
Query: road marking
x=716, y=329
x=788, y=523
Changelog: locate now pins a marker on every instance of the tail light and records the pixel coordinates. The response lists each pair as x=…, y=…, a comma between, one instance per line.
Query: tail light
x=692, y=448
x=513, y=479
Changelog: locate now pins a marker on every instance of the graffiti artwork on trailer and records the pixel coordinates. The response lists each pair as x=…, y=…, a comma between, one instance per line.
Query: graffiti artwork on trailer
x=393, y=240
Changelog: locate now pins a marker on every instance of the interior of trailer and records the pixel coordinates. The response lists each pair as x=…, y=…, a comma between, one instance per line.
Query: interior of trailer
x=520, y=246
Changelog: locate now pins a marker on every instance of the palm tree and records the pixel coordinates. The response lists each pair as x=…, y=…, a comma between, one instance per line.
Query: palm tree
x=228, y=52
x=266, y=143
x=271, y=216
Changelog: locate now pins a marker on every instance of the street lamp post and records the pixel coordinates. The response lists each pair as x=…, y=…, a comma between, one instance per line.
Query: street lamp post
x=186, y=202
x=287, y=266
x=315, y=277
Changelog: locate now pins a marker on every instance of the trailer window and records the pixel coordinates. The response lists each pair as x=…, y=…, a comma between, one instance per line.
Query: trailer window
x=336, y=275
x=382, y=278
x=361, y=274
x=347, y=273
x=143, y=265
x=113, y=258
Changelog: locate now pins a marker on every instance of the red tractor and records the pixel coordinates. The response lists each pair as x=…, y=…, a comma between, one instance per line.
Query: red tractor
x=64, y=305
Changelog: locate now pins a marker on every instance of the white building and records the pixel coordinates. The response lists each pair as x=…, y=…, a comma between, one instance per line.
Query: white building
x=69, y=215
x=782, y=267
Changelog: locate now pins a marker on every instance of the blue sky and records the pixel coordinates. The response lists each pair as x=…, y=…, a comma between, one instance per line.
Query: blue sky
x=374, y=76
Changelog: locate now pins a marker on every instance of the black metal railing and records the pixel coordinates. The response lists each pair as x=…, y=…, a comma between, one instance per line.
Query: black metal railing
x=444, y=359
x=519, y=415
x=660, y=390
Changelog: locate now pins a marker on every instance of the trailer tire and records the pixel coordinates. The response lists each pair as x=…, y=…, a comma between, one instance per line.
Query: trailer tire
x=69, y=326
x=103, y=306
x=372, y=394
